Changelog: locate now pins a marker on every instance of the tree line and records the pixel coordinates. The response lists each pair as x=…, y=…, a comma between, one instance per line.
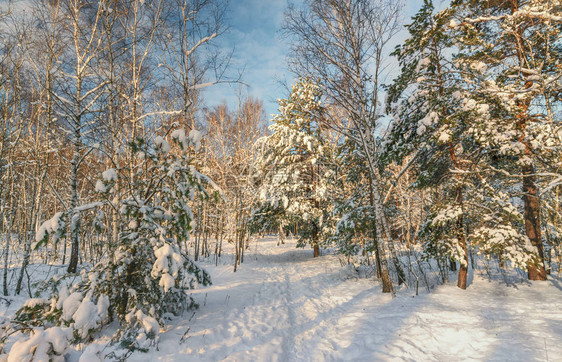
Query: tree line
x=461, y=157
x=421, y=160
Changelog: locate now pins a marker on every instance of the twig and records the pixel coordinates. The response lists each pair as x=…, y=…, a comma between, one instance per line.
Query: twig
x=184, y=337
x=8, y=302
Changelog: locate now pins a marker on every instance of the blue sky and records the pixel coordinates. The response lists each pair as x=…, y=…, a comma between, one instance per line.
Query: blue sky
x=260, y=51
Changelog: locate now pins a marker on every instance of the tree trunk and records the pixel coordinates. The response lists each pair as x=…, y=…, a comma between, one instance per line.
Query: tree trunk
x=314, y=243
x=6, y=254
x=530, y=199
x=241, y=236
x=377, y=252
x=8, y=232
x=281, y=238
x=316, y=251
x=236, y=249
x=532, y=221
x=379, y=241
x=452, y=265
x=25, y=262
x=74, y=214
x=8, y=237
x=463, y=269
x=221, y=234
x=462, y=279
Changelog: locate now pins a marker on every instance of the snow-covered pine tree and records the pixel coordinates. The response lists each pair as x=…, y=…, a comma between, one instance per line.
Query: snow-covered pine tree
x=146, y=276
x=296, y=176
x=436, y=109
x=509, y=58
x=356, y=222
x=429, y=128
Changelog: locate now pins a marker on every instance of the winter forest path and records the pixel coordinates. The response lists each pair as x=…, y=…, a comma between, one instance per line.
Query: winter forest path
x=284, y=305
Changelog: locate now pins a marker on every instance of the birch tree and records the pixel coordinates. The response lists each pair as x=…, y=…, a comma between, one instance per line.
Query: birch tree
x=11, y=131
x=76, y=95
x=189, y=33
x=342, y=44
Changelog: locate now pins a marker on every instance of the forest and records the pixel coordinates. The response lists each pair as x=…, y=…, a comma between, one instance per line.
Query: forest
x=410, y=157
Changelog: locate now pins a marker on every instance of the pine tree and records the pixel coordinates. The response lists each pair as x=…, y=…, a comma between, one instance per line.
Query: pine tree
x=146, y=275
x=509, y=55
x=429, y=125
x=444, y=122
x=296, y=178
x=357, y=220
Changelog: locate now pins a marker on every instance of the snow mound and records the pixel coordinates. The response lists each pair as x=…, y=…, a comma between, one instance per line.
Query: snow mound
x=42, y=345
x=348, y=272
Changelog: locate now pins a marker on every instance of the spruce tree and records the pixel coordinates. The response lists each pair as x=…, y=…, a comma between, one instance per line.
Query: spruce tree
x=296, y=176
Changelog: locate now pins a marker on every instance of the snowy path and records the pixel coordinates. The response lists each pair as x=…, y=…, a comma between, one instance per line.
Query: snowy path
x=283, y=305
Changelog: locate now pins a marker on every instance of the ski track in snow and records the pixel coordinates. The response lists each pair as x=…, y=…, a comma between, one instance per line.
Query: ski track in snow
x=283, y=305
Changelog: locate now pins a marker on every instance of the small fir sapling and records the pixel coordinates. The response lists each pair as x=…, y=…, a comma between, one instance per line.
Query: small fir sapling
x=148, y=275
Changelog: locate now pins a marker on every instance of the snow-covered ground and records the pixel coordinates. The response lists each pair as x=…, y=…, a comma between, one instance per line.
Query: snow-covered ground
x=283, y=305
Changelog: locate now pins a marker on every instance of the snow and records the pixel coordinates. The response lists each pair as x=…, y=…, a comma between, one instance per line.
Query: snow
x=91, y=354
x=168, y=263
x=133, y=224
x=34, y=302
x=444, y=137
x=166, y=282
x=103, y=307
x=422, y=63
x=149, y=324
x=282, y=304
x=86, y=317
x=100, y=186
x=179, y=136
x=478, y=66
x=71, y=305
x=162, y=144
x=41, y=346
x=50, y=226
x=63, y=294
x=109, y=175
x=195, y=137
